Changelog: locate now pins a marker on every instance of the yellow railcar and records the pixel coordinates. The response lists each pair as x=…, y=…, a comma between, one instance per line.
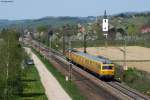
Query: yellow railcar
x=101, y=66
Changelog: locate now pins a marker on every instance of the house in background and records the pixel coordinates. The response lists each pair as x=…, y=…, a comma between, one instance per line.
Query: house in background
x=145, y=29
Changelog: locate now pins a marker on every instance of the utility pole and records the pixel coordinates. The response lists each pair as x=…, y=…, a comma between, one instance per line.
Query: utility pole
x=50, y=33
x=63, y=41
x=85, y=35
x=51, y=40
x=39, y=41
x=125, y=65
x=82, y=30
x=106, y=38
x=50, y=44
x=124, y=61
x=70, y=64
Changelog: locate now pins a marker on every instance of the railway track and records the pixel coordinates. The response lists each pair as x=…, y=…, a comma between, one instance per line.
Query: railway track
x=86, y=87
x=116, y=88
x=128, y=91
x=125, y=90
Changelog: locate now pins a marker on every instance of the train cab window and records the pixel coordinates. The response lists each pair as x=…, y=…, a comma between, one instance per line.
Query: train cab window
x=107, y=67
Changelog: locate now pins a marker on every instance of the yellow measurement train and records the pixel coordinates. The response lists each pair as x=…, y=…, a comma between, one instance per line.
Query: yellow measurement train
x=101, y=66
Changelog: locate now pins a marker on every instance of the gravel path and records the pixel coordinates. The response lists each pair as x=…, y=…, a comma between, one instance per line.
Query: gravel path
x=53, y=89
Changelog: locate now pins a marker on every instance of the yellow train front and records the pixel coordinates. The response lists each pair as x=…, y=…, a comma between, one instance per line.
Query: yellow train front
x=100, y=66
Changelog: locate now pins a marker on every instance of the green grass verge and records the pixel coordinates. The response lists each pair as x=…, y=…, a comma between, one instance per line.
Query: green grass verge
x=32, y=86
x=69, y=87
x=136, y=79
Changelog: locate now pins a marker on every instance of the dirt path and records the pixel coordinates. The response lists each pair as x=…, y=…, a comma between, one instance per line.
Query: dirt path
x=53, y=89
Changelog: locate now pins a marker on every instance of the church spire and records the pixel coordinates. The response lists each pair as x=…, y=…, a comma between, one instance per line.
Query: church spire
x=105, y=15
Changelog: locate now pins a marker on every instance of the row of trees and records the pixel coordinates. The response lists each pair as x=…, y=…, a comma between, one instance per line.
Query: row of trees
x=91, y=29
x=11, y=57
x=93, y=33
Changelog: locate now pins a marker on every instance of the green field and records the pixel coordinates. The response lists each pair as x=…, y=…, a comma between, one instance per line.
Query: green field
x=32, y=87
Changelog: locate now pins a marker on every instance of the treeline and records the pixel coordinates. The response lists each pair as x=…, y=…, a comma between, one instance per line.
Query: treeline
x=55, y=21
x=11, y=57
x=131, y=14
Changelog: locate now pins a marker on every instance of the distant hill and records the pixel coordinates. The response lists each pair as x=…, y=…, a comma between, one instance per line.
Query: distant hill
x=53, y=21
x=118, y=20
x=9, y=23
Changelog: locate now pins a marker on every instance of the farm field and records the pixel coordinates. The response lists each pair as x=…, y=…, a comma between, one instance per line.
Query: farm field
x=137, y=57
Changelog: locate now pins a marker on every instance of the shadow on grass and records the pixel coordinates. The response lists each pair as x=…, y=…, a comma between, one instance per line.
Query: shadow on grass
x=29, y=80
x=31, y=94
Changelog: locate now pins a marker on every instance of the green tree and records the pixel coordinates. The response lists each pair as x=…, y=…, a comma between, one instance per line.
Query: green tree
x=42, y=28
x=43, y=33
x=98, y=29
x=132, y=29
x=11, y=57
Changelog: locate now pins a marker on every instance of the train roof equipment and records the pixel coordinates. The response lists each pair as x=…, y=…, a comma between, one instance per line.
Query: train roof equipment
x=96, y=58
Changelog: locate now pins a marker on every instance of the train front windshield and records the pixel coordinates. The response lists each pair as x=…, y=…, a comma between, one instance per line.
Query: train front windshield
x=107, y=67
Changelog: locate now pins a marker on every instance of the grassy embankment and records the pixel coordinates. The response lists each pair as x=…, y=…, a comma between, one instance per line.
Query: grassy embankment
x=69, y=86
x=32, y=87
x=136, y=79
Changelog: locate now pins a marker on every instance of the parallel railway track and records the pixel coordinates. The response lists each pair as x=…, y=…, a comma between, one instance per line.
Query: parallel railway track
x=114, y=87
x=128, y=91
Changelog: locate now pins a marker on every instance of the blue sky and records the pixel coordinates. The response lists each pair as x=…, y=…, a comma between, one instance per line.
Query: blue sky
x=31, y=9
